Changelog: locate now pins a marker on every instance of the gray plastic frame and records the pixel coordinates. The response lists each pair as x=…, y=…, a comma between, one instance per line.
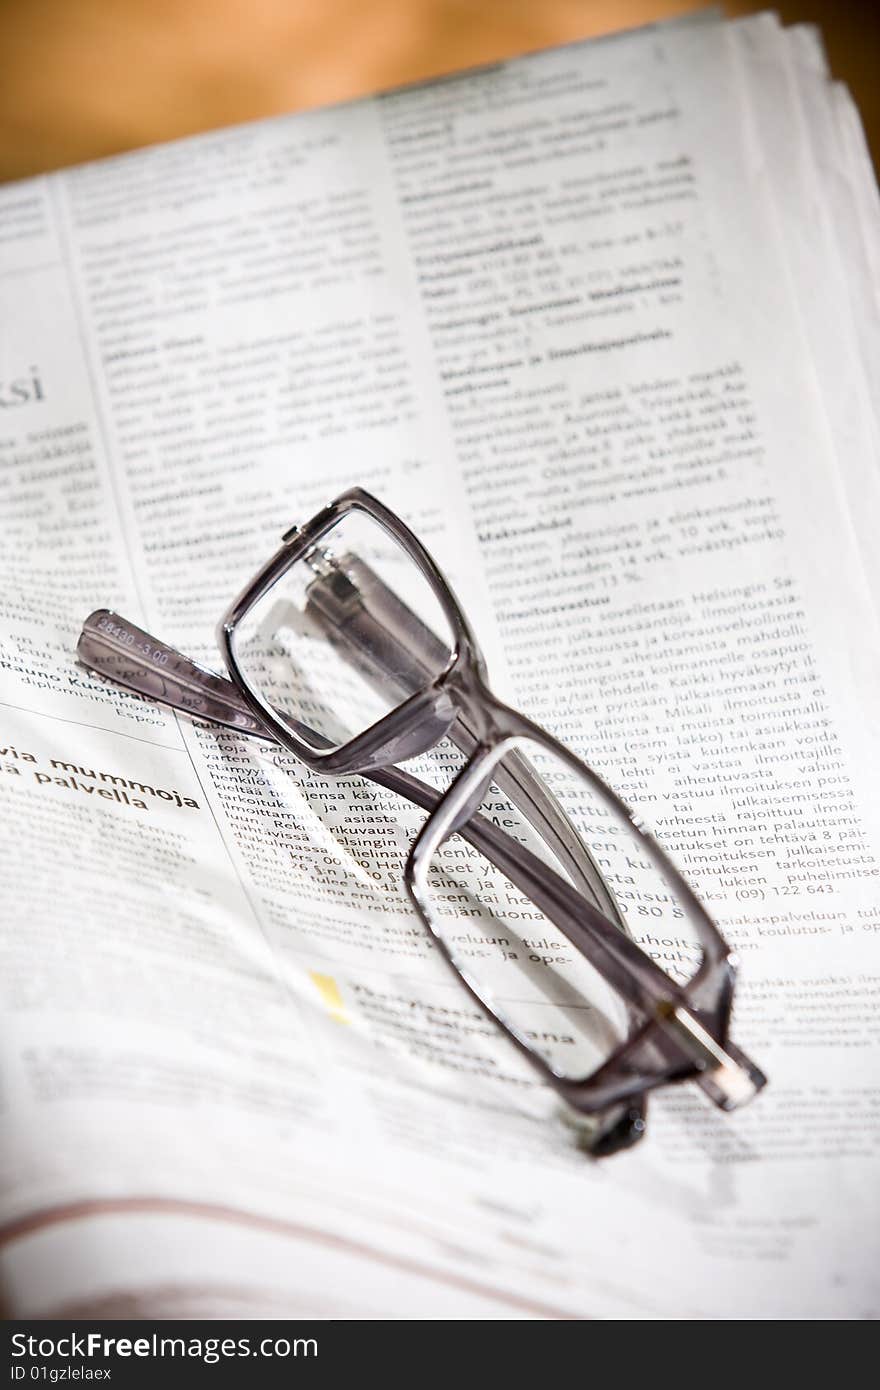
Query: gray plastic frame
x=679, y=1031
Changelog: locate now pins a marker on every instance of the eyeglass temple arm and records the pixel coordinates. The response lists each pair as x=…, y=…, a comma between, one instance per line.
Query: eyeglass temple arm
x=116, y=648
x=113, y=647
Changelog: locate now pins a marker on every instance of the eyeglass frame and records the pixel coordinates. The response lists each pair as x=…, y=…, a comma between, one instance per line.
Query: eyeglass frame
x=685, y=1025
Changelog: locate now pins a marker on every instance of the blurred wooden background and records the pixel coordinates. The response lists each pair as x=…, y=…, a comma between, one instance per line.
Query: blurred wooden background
x=84, y=78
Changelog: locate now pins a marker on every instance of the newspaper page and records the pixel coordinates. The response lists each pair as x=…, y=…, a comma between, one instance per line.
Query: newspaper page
x=543, y=311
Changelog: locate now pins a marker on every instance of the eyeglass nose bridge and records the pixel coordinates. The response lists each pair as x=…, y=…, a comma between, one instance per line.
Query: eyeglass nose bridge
x=414, y=729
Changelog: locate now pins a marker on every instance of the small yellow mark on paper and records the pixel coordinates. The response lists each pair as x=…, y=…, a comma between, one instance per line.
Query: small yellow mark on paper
x=332, y=999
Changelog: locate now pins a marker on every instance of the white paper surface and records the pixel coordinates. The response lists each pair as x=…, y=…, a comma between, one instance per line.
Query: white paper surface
x=552, y=314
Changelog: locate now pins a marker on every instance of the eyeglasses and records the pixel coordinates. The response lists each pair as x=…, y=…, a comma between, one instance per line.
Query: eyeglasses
x=350, y=650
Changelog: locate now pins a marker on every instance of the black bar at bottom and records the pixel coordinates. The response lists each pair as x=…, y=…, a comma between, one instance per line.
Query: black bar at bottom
x=134, y=1354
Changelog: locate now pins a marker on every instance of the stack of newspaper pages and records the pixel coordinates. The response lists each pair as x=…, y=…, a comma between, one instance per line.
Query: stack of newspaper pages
x=601, y=324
